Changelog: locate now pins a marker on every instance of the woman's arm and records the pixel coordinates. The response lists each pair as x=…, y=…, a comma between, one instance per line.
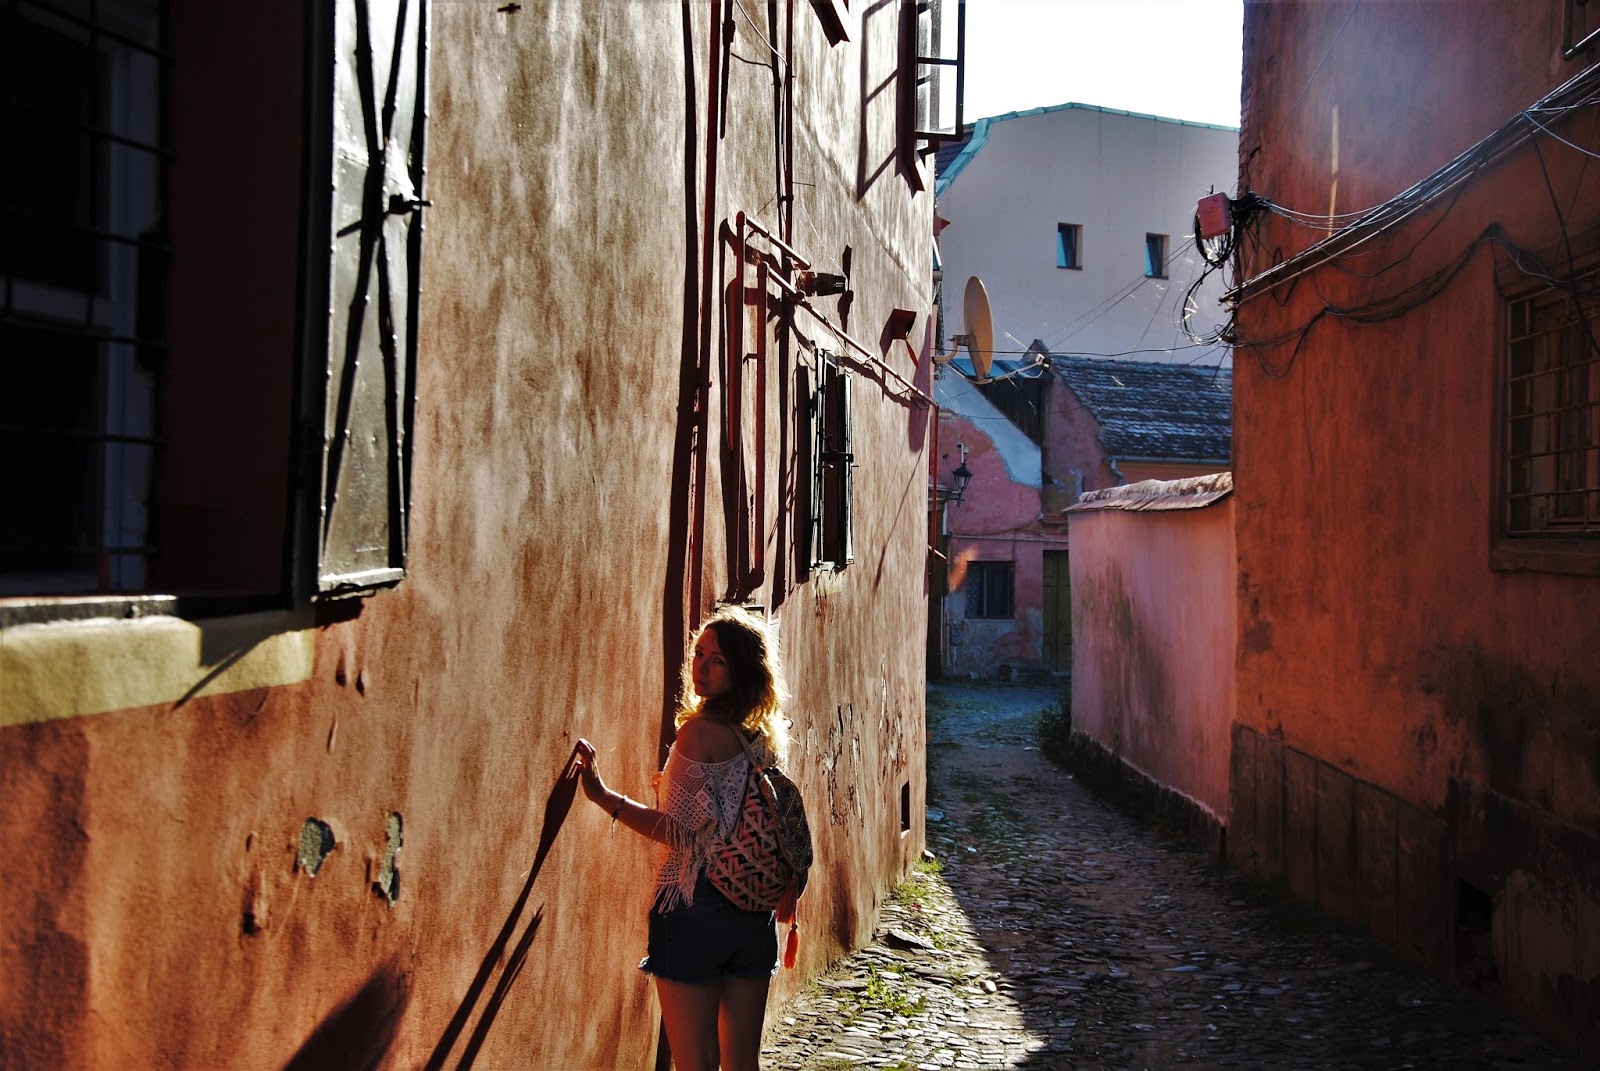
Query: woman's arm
x=657, y=825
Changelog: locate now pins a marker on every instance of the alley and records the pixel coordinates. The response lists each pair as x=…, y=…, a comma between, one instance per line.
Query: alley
x=1051, y=931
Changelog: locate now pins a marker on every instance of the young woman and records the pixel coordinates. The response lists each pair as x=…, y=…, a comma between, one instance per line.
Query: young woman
x=712, y=961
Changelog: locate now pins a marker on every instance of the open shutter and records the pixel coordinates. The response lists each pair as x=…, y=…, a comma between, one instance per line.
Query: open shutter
x=847, y=466
x=366, y=350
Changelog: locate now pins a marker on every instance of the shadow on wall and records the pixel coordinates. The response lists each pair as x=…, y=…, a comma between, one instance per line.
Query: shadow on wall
x=356, y=1035
x=555, y=814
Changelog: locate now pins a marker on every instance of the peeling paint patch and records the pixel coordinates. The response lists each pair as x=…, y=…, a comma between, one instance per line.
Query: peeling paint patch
x=388, y=883
x=316, y=844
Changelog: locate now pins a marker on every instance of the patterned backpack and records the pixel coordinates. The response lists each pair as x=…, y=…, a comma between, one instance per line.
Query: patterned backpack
x=763, y=863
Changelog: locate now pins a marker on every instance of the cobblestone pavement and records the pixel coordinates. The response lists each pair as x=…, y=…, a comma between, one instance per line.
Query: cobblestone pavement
x=1051, y=931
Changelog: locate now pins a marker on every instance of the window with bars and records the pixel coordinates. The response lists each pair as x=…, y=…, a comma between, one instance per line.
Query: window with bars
x=832, y=462
x=1551, y=444
x=989, y=589
x=83, y=268
x=156, y=434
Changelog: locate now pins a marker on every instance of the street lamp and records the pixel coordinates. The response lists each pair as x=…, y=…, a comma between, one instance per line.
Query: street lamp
x=962, y=474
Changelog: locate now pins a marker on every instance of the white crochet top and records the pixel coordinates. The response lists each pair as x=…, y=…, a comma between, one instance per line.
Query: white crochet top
x=701, y=801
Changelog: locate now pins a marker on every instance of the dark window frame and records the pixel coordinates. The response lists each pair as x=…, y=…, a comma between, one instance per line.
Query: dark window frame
x=82, y=297
x=1155, y=255
x=988, y=583
x=194, y=580
x=1546, y=479
x=833, y=465
x=1069, y=246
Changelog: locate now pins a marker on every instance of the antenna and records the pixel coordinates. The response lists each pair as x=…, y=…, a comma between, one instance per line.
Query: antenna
x=979, y=339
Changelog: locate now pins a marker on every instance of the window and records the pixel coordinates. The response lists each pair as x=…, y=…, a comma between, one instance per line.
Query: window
x=81, y=295
x=989, y=586
x=1551, y=446
x=832, y=463
x=1155, y=256
x=148, y=419
x=1069, y=245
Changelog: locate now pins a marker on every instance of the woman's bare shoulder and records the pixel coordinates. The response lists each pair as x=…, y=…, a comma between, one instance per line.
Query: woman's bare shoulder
x=704, y=740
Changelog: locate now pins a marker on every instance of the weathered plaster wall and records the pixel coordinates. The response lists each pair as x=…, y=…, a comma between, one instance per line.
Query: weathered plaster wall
x=997, y=521
x=1153, y=640
x=1414, y=718
x=572, y=499
x=1072, y=441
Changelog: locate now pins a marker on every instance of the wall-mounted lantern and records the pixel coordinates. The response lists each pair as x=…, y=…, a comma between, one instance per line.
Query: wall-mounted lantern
x=962, y=475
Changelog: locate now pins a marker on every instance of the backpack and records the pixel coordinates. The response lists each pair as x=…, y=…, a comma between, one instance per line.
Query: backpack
x=764, y=862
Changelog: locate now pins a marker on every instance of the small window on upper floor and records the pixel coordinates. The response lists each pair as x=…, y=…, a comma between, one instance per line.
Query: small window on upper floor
x=1581, y=27
x=1155, y=256
x=1549, y=450
x=1069, y=245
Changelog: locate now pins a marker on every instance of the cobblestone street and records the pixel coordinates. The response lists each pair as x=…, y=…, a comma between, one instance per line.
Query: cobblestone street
x=1052, y=931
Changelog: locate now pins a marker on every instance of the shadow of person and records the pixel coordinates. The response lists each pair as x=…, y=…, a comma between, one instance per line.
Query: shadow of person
x=357, y=1034
x=555, y=813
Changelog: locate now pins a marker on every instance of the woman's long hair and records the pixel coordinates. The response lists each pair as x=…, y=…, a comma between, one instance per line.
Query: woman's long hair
x=757, y=692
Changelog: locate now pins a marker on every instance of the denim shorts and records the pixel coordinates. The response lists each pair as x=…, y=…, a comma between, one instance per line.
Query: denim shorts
x=711, y=939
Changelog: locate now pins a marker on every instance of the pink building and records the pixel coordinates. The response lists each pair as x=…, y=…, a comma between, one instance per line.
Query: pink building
x=1037, y=440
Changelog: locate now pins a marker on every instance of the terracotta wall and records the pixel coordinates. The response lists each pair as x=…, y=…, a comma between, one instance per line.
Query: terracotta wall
x=573, y=499
x=1412, y=718
x=1153, y=639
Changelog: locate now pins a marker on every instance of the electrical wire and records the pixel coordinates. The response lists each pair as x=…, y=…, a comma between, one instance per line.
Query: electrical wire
x=1577, y=92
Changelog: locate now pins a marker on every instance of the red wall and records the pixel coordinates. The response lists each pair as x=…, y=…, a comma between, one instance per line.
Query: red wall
x=1411, y=720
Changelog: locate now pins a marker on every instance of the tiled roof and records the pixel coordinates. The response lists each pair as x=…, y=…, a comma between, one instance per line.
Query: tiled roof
x=1155, y=411
x=1195, y=492
x=948, y=151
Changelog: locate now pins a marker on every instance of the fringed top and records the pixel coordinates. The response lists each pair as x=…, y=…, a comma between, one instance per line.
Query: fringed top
x=701, y=801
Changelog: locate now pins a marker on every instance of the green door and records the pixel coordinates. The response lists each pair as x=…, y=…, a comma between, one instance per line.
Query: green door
x=1057, y=611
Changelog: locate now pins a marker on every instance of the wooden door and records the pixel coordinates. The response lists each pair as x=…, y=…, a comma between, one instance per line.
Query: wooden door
x=1057, y=611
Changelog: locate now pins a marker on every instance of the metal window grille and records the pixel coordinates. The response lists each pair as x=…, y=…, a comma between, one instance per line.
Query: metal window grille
x=1552, y=429
x=989, y=589
x=83, y=263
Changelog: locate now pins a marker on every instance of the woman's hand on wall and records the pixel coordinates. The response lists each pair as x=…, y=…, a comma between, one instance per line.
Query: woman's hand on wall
x=593, y=786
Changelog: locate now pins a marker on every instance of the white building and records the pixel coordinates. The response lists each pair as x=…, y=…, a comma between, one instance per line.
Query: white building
x=1079, y=220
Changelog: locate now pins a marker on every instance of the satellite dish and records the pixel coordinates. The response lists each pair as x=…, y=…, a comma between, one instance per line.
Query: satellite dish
x=979, y=338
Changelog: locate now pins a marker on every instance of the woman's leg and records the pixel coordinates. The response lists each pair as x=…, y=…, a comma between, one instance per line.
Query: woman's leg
x=739, y=1021
x=689, y=1012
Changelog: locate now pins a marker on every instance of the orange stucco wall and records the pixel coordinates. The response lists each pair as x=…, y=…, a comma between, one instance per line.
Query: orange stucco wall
x=1153, y=636
x=573, y=499
x=1411, y=718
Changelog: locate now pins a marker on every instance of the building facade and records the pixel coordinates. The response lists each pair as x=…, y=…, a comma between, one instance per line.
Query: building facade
x=1417, y=744
x=402, y=385
x=1079, y=220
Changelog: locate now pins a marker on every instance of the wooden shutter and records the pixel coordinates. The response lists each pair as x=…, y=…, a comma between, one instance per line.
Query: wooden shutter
x=361, y=345
x=832, y=461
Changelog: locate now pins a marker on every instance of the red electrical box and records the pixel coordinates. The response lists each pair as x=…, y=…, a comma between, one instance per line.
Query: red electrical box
x=1215, y=214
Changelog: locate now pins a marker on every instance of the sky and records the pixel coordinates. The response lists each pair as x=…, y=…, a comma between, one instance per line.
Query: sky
x=1173, y=58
